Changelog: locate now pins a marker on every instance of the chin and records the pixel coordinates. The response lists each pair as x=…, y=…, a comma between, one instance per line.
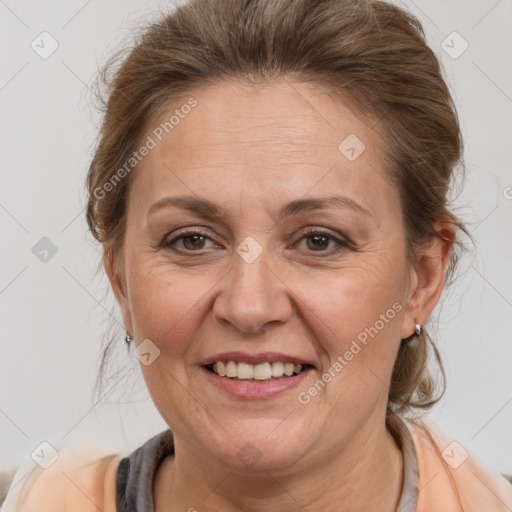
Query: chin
x=268, y=444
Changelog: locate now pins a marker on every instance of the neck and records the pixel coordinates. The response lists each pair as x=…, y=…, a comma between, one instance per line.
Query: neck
x=366, y=474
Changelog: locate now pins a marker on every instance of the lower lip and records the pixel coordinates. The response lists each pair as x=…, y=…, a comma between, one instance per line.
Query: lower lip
x=255, y=389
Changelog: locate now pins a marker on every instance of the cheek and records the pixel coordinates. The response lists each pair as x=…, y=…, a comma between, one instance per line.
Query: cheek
x=357, y=328
x=166, y=304
x=355, y=315
x=347, y=300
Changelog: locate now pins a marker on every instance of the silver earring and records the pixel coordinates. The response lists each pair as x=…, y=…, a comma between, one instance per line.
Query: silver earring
x=413, y=340
x=127, y=338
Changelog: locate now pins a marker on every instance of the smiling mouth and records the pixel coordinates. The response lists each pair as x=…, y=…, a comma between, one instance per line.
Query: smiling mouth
x=263, y=372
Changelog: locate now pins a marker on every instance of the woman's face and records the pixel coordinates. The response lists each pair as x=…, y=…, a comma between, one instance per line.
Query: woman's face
x=256, y=164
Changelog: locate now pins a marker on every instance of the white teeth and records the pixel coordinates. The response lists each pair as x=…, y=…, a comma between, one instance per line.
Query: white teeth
x=288, y=369
x=277, y=369
x=263, y=371
x=221, y=369
x=231, y=369
x=246, y=371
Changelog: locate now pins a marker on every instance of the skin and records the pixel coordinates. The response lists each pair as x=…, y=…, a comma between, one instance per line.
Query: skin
x=252, y=150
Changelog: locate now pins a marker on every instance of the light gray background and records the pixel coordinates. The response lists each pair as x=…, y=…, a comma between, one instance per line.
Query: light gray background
x=52, y=313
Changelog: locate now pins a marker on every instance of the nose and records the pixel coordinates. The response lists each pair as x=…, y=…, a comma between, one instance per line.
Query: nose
x=253, y=296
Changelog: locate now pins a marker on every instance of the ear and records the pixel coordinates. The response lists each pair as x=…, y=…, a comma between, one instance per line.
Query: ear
x=118, y=283
x=428, y=276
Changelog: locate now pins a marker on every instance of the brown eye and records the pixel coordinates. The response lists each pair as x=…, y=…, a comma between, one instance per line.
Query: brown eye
x=318, y=241
x=193, y=241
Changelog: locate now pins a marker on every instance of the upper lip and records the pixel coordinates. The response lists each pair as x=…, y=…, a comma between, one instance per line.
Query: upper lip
x=261, y=357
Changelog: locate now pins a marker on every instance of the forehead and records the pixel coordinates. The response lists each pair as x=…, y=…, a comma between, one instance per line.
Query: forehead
x=282, y=140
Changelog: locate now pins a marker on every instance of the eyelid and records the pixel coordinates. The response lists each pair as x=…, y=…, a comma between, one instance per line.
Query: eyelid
x=314, y=230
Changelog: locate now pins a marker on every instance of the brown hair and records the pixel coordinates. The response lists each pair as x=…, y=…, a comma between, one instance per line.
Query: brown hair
x=372, y=53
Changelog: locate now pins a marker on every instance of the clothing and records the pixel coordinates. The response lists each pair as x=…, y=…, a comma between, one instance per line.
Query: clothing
x=439, y=476
x=135, y=474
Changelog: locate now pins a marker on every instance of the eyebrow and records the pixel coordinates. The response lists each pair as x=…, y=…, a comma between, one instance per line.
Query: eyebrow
x=208, y=209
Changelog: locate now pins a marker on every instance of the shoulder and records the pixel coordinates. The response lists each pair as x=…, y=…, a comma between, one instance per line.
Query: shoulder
x=451, y=478
x=78, y=480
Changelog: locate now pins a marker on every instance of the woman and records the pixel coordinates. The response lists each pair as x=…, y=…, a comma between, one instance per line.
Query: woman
x=270, y=191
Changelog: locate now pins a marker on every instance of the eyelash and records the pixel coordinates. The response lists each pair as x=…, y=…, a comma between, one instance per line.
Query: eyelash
x=340, y=244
